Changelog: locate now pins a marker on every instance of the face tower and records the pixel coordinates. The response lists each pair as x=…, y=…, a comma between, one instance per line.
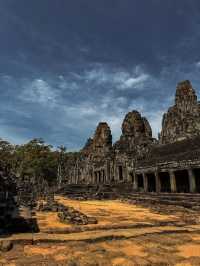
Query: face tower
x=182, y=120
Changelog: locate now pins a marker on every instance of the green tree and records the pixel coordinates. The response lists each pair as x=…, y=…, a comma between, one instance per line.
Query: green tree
x=36, y=160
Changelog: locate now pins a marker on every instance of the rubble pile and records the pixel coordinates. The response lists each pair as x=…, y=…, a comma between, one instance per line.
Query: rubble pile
x=72, y=216
x=67, y=214
x=50, y=206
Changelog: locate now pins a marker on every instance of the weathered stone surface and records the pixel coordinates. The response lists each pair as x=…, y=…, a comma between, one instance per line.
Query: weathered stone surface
x=67, y=214
x=136, y=133
x=102, y=141
x=88, y=147
x=136, y=126
x=182, y=120
x=94, y=155
x=6, y=245
x=72, y=216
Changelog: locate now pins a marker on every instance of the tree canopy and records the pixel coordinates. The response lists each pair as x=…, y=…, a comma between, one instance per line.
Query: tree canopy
x=36, y=160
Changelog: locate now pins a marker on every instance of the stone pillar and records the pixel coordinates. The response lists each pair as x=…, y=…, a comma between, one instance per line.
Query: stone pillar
x=108, y=172
x=112, y=172
x=100, y=176
x=145, y=181
x=126, y=172
x=158, y=184
x=192, y=181
x=116, y=173
x=95, y=177
x=172, y=181
x=104, y=176
x=92, y=176
x=135, y=182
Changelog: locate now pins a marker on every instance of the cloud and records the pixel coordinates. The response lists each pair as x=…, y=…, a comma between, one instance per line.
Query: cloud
x=39, y=91
x=65, y=108
x=133, y=82
x=121, y=79
x=72, y=104
x=198, y=64
x=58, y=79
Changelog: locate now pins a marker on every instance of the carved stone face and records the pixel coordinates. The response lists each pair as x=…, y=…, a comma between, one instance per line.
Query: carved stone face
x=133, y=124
x=185, y=96
x=182, y=119
x=102, y=138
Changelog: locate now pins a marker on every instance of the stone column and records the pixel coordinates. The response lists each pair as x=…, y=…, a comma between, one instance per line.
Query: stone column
x=97, y=177
x=91, y=177
x=93, y=174
x=112, y=172
x=158, y=184
x=116, y=177
x=135, y=182
x=172, y=181
x=126, y=172
x=145, y=181
x=104, y=176
x=192, y=181
x=107, y=172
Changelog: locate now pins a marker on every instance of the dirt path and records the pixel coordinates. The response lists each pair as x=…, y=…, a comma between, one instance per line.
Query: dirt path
x=126, y=235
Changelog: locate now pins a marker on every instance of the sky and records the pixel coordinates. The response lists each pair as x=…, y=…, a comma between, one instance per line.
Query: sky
x=66, y=65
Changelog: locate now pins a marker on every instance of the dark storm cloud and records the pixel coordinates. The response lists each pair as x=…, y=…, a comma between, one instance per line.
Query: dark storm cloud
x=65, y=65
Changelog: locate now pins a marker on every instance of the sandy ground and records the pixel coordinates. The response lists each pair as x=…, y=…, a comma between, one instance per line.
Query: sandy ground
x=125, y=235
x=108, y=213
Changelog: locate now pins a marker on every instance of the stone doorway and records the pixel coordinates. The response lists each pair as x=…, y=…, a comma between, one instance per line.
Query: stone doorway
x=164, y=182
x=182, y=181
x=131, y=177
x=140, y=182
x=120, y=168
x=103, y=176
x=151, y=181
x=95, y=177
x=197, y=179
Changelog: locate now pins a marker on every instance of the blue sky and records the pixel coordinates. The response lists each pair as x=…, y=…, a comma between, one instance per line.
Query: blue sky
x=66, y=65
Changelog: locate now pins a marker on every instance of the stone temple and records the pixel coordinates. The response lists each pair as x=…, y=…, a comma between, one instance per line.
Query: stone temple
x=169, y=164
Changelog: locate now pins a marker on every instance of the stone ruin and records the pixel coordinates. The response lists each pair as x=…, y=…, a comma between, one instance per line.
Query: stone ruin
x=136, y=135
x=9, y=210
x=141, y=163
x=66, y=214
x=11, y=218
x=182, y=120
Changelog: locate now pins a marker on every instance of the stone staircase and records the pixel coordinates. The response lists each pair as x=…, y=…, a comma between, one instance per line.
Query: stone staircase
x=186, y=200
x=83, y=192
x=124, y=192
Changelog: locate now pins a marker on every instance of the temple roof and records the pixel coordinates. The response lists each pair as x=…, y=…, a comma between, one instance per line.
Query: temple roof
x=188, y=149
